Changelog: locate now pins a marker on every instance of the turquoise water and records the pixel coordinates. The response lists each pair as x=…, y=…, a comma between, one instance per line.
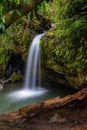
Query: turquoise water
x=10, y=99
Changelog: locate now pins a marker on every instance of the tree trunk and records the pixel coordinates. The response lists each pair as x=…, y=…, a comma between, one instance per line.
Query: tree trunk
x=23, y=8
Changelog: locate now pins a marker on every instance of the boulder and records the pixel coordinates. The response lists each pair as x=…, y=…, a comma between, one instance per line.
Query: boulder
x=1, y=87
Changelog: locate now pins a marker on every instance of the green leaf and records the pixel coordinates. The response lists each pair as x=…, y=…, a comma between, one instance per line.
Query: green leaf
x=11, y=12
x=25, y=0
x=84, y=7
x=0, y=25
x=3, y=19
x=18, y=13
x=44, y=6
x=31, y=15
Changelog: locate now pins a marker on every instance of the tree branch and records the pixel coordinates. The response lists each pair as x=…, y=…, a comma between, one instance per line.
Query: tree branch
x=23, y=8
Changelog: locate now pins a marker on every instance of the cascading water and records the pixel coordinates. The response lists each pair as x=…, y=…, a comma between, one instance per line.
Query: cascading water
x=15, y=98
x=31, y=73
x=33, y=64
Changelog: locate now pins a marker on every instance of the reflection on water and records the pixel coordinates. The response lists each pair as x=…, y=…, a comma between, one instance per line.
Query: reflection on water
x=11, y=98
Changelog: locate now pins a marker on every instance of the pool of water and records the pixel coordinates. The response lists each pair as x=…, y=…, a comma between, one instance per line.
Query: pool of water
x=14, y=96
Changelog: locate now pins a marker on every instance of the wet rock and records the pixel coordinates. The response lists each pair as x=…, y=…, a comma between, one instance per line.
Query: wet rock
x=55, y=76
x=78, y=82
x=44, y=24
x=1, y=87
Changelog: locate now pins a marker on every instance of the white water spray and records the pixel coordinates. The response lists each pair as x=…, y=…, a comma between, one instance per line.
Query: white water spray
x=33, y=64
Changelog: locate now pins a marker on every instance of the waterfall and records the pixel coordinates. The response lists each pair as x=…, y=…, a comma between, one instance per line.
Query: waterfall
x=33, y=64
x=32, y=72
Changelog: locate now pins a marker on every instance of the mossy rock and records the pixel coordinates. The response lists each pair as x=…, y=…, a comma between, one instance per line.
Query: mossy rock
x=16, y=77
x=51, y=34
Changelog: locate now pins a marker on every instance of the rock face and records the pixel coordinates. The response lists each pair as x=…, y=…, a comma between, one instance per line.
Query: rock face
x=55, y=76
x=77, y=81
x=68, y=113
x=64, y=59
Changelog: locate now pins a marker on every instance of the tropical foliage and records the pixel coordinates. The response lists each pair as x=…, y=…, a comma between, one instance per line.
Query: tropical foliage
x=69, y=20
x=16, y=7
x=67, y=40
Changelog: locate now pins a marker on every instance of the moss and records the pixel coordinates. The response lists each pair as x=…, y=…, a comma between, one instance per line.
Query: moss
x=51, y=34
x=16, y=77
x=18, y=37
x=63, y=57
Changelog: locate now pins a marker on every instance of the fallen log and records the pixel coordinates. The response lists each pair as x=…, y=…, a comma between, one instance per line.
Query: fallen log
x=55, y=103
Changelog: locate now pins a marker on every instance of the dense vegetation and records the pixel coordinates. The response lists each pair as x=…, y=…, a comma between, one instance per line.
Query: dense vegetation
x=65, y=46
x=70, y=21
